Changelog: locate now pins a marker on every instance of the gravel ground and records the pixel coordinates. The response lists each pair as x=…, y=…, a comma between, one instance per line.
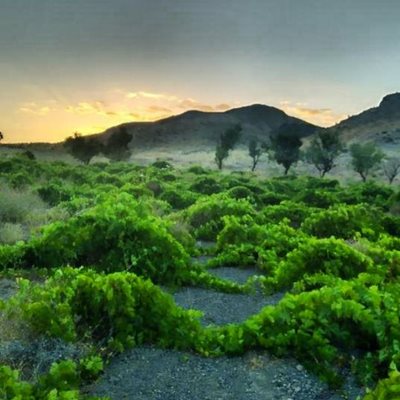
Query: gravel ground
x=148, y=373
x=239, y=275
x=152, y=374
x=224, y=308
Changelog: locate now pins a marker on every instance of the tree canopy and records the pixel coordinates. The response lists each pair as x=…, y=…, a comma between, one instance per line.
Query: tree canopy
x=391, y=168
x=227, y=142
x=365, y=157
x=117, y=148
x=325, y=147
x=285, y=147
x=82, y=148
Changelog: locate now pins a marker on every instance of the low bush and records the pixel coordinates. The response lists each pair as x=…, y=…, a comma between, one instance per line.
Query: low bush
x=206, y=215
x=345, y=222
x=206, y=185
x=328, y=256
x=296, y=213
x=120, y=310
x=117, y=234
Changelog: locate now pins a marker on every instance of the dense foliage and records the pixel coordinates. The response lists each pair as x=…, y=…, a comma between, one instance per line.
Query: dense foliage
x=114, y=237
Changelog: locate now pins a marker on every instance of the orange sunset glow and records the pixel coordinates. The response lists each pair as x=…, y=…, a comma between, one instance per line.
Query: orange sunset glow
x=53, y=120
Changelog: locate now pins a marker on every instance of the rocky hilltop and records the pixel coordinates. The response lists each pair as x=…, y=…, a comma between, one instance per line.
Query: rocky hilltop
x=380, y=124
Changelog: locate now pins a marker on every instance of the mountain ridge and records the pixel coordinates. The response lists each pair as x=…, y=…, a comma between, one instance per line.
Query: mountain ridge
x=201, y=129
x=380, y=124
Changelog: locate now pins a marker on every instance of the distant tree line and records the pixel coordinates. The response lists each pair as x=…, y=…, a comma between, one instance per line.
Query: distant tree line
x=84, y=148
x=323, y=151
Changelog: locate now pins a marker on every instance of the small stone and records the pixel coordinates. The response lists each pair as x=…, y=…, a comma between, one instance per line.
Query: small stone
x=299, y=367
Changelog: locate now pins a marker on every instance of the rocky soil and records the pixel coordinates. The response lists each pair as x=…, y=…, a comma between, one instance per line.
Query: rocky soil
x=148, y=373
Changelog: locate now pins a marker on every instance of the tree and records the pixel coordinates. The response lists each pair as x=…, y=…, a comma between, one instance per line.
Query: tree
x=227, y=142
x=82, y=148
x=391, y=168
x=285, y=148
x=365, y=157
x=325, y=147
x=1, y=136
x=255, y=153
x=117, y=148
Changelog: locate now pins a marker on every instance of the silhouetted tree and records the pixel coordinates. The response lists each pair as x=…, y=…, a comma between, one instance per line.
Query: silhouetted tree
x=82, y=148
x=1, y=136
x=325, y=147
x=365, y=157
x=28, y=154
x=117, y=148
x=255, y=153
x=285, y=148
x=391, y=168
x=227, y=141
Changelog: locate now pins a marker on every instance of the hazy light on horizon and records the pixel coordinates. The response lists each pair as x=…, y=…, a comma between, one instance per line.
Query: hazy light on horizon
x=84, y=67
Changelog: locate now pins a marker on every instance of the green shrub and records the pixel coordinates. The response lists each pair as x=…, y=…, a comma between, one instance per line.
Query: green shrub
x=270, y=198
x=240, y=230
x=178, y=199
x=280, y=239
x=60, y=383
x=119, y=233
x=344, y=222
x=197, y=170
x=20, y=180
x=162, y=165
x=137, y=191
x=167, y=177
x=296, y=213
x=53, y=194
x=120, y=309
x=206, y=185
x=206, y=215
x=387, y=389
x=316, y=198
x=329, y=256
x=242, y=192
x=104, y=177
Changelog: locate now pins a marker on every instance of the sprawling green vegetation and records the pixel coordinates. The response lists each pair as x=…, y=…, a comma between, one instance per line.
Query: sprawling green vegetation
x=108, y=239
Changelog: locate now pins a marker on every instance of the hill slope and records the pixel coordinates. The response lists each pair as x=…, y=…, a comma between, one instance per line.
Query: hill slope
x=201, y=130
x=380, y=124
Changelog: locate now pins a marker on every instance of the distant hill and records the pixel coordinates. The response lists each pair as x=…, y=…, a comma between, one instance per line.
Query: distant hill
x=380, y=124
x=200, y=130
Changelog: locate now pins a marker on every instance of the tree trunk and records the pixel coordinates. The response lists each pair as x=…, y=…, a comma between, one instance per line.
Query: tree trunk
x=364, y=177
x=287, y=170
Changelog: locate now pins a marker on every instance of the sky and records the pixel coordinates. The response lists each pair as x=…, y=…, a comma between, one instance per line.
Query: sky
x=82, y=66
